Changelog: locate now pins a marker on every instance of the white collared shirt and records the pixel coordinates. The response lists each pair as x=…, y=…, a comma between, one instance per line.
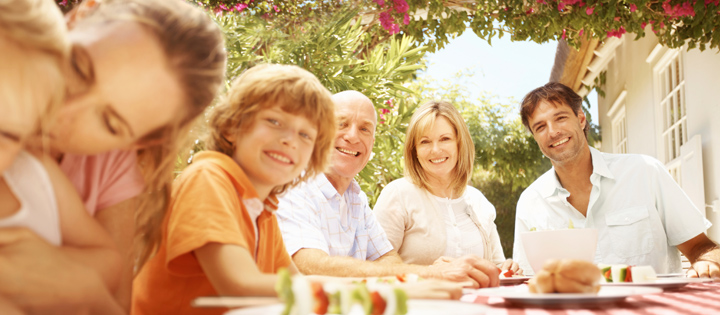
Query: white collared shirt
x=311, y=216
x=463, y=235
x=640, y=212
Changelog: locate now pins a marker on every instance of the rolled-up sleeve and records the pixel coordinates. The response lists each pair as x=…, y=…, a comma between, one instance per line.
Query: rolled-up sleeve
x=378, y=243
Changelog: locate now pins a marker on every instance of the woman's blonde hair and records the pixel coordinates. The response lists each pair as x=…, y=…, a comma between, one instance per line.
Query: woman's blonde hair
x=422, y=120
x=38, y=29
x=291, y=88
x=195, y=51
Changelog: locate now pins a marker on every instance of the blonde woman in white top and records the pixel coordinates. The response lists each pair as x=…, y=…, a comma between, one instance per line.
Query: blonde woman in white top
x=432, y=215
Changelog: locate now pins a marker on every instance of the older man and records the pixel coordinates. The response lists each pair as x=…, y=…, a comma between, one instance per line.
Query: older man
x=328, y=226
x=642, y=215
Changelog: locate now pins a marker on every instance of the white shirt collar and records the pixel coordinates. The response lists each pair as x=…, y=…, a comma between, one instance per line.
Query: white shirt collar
x=552, y=183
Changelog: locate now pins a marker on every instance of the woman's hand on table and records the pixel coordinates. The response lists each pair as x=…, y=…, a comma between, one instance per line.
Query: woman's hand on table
x=511, y=265
x=468, y=269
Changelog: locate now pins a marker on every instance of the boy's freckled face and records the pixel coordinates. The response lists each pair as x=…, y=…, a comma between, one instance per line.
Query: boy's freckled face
x=275, y=148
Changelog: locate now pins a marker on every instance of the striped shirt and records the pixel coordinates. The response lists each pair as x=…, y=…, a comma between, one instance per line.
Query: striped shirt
x=312, y=215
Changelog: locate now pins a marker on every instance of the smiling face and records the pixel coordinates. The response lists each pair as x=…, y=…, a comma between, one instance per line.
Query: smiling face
x=558, y=131
x=437, y=149
x=274, y=149
x=120, y=89
x=355, y=135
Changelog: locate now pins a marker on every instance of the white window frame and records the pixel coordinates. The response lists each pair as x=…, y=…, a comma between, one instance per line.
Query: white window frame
x=619, y=124
x=677, y=131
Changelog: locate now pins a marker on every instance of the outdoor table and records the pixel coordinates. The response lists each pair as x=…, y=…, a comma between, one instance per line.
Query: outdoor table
x=696, y=298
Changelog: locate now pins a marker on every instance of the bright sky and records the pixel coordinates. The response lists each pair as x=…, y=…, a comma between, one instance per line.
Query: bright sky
x=506, y=69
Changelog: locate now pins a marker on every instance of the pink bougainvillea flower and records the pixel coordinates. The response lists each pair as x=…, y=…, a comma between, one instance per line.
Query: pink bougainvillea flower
x=64, y=3
x=580, y=34
x=633, y=7
x=401, y=6
x=543, y=1
x=386, y=20
x=564, y=34
x=240, y=7
x=380, y=2
x=561, y=6
x=582, y=4
x=678, y=10
x=223, y=7
x=406, y=19
x=528, y=12
x=384, y=110
x=642, y=25
x=617, y=18
x=276, y=8
x=589, y=10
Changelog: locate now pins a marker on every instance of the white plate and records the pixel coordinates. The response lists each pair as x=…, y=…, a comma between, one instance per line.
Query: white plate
x=520, y=295
x=671, y=275
x=514, y=280
x=415, y=307
x=665, y=283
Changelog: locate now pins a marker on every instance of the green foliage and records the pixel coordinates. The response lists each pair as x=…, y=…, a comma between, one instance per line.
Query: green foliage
x=334, y=51
x=436, y=22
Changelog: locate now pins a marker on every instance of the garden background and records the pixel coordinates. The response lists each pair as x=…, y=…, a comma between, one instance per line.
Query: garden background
x=378, y=47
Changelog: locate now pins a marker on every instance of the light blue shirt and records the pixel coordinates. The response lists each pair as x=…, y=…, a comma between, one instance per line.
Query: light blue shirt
x=312, y=215
x=640, y=212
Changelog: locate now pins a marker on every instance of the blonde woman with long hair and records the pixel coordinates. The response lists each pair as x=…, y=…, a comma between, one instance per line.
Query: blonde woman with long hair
x=39, y=210
x=138, y=74
x=432, y=214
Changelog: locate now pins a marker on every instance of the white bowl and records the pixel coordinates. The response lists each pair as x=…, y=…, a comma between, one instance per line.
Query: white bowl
x=559, y=244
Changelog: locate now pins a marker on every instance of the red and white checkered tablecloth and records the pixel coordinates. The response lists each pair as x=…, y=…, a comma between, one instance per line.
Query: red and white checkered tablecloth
x=694, y=299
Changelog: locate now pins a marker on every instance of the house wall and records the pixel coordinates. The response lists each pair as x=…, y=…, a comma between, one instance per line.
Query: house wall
x=629, y=71
x=702, y=79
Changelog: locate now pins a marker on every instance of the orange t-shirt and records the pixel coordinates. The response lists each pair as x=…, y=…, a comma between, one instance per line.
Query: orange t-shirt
x=207, y=206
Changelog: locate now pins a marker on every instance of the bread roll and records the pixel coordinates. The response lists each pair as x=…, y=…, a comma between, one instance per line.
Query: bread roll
x=566, y=276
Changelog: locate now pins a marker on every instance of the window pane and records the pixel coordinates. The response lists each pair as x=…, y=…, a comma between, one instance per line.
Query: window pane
x=671, y=113
x=672, y=144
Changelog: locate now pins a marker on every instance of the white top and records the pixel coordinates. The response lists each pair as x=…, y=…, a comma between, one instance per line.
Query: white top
x=311, y=216
x=30, y=183
x=416, y=223
x=640, y=212
x=463, y=236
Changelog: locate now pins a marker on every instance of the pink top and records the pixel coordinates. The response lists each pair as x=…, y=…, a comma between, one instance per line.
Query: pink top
x=104, y=180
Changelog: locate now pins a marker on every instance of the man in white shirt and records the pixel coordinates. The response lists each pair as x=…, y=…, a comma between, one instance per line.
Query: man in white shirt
x=328, y=227
x=643, y=217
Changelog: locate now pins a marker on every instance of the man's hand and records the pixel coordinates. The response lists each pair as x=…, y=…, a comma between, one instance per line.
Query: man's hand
x=479, y=272
x=704, y=269
x=704, y=255
x=40, y=278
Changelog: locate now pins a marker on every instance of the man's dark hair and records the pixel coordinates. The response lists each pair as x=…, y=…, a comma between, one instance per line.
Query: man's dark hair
x=553, y=93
